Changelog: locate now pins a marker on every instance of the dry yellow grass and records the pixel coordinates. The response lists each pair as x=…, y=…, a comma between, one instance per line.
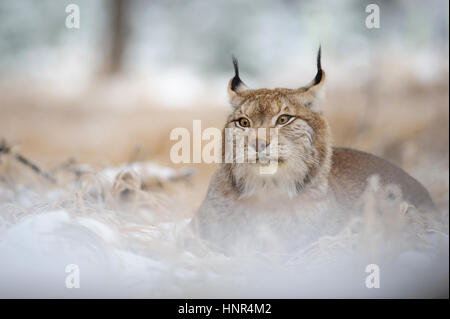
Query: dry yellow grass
x=408, y=126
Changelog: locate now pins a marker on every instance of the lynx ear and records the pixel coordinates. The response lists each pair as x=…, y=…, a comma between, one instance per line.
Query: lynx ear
x=319, y=79
x=235, y=85
x=310, y=95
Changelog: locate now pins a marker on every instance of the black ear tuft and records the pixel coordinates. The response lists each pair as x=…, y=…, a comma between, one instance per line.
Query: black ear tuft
x=318, y=77
x=236, y=80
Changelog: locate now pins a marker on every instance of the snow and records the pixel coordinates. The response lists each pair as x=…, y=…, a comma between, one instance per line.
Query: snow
x=123, y=255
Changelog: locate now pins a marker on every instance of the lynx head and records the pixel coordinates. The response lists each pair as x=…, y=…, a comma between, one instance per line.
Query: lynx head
x=302, y=144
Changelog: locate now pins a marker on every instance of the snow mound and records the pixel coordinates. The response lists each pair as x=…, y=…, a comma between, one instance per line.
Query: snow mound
x=126, y=240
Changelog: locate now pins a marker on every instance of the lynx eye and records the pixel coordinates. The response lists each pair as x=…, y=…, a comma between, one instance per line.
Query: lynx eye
x=243, y=122
x=284, y=119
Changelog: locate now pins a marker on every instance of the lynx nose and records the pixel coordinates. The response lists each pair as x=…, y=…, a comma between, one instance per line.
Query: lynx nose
x=259, y=144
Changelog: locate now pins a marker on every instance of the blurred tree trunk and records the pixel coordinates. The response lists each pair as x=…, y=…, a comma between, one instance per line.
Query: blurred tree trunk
x=118, y=34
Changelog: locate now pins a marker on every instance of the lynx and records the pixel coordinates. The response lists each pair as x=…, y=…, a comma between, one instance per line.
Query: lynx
x=312, y=179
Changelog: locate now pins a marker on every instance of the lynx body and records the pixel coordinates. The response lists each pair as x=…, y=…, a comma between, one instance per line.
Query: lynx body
x=315, y=185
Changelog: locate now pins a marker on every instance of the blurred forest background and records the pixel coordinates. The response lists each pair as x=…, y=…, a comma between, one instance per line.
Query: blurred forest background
x=111, y=91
